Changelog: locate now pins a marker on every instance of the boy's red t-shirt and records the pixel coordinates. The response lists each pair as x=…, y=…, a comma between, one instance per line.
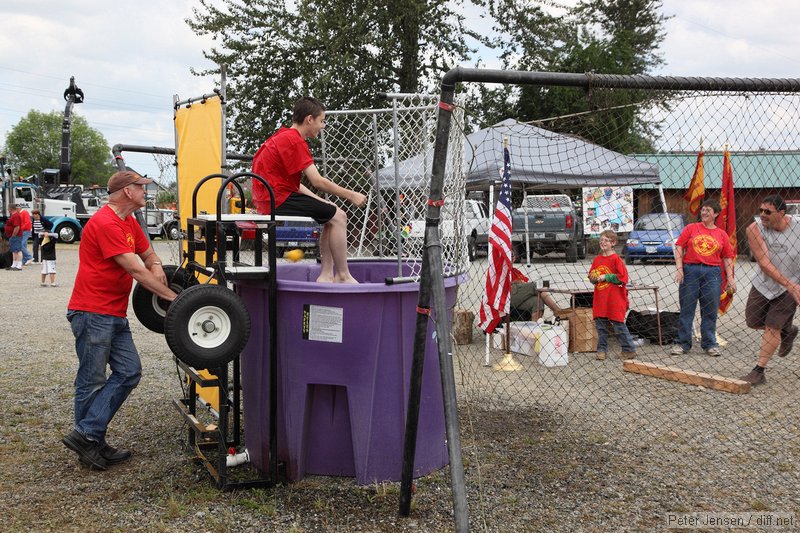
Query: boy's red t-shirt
x=281, y=161
x=101, y=285
x=610, y=301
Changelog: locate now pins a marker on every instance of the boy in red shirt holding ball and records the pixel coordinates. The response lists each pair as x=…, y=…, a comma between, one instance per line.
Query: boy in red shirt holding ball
x=610, y=302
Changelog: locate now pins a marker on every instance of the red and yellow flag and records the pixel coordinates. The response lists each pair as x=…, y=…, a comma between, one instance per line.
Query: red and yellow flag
x=727, y=221
x=697, y=189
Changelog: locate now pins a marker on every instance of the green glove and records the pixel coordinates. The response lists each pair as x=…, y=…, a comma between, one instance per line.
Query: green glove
x=612, y=278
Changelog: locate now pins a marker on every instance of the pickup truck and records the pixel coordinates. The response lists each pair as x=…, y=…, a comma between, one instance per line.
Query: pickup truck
x=297, y=234
x=289, y=235
x=161, y=222
x=554, y=225
x=476, y=227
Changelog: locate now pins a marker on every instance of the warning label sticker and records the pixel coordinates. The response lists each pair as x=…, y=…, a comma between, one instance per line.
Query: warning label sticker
x=322, y=323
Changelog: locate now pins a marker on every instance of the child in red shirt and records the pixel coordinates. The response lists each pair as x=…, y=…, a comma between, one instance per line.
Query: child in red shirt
x=610, y=302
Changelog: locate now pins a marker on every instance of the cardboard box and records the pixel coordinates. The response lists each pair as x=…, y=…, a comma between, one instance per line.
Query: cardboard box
x=582, y=333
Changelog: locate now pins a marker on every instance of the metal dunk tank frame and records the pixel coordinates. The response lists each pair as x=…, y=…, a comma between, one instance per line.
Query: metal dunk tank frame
x=210, y=254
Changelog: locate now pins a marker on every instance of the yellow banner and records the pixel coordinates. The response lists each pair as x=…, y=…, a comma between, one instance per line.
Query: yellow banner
x=198, y=134
x=697, y=190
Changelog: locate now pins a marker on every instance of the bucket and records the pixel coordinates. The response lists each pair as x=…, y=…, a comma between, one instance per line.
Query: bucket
x=553, y=342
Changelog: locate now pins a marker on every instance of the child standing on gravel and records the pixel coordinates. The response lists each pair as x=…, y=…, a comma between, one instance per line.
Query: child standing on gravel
x=48, y=252
x=610, y=302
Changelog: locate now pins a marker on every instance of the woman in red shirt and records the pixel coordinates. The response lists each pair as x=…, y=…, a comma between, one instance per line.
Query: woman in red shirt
x=700, y=252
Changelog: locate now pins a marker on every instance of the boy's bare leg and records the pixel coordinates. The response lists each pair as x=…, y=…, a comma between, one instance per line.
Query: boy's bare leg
x=325, y=256
x=333, y=251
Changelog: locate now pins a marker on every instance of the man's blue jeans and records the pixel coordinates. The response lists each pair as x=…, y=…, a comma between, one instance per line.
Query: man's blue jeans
x=701, y=283
x=100, y=341
x=26, y=255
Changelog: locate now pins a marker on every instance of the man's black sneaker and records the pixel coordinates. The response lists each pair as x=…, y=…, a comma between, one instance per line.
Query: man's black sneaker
x=754, y=377
x=88, y=451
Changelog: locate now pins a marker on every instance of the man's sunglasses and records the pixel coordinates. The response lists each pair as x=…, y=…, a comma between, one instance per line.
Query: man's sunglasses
x=762, y=211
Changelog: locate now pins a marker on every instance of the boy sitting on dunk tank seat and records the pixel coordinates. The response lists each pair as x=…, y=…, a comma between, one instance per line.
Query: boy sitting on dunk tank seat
x=282, y=160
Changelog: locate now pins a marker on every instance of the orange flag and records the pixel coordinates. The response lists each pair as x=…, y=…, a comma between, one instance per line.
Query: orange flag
x=727, y=221
x=697, y=189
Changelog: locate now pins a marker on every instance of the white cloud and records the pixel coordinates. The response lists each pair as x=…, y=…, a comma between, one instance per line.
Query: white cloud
x=131, y=57
x=737, y=38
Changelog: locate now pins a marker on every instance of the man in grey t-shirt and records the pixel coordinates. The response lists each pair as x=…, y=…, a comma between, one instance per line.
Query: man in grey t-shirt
x=774, y=240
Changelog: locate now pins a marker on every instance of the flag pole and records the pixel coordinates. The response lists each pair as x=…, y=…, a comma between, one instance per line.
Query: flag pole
x=728, y=217
x=507, y=364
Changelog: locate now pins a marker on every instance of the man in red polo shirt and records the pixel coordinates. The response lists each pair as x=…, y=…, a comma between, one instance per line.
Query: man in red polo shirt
x=114, y=251
x=282, y=160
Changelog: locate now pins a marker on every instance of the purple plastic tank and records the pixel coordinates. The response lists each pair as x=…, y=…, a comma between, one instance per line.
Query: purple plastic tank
x=344, y=365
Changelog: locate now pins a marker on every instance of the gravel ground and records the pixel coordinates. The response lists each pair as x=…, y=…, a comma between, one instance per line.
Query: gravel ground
x=546, y=465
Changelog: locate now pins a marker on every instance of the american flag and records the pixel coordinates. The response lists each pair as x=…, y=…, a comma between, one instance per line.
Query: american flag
x=496, y=301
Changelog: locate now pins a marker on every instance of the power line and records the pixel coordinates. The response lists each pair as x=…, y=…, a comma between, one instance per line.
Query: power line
x=82, y=83
x=94, y=101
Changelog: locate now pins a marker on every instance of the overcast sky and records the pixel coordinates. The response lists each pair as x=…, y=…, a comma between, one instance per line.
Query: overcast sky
x=130, y=58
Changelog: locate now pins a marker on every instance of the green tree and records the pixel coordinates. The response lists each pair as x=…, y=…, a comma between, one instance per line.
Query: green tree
x=34, y=143
x=344, y=52
x=604, y=36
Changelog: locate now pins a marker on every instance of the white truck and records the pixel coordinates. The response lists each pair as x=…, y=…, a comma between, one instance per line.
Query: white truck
x=476, y=225
x=161, y=222
x=28, y=196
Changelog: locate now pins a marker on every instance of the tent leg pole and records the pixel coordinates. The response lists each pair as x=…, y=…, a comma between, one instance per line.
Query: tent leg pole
x=669, y=220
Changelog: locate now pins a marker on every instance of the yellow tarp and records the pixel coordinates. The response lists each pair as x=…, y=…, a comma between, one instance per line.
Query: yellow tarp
x=198, y=137
x=198, y=151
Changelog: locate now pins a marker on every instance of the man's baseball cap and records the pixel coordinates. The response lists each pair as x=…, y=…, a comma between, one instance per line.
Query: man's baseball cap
x=123, y=178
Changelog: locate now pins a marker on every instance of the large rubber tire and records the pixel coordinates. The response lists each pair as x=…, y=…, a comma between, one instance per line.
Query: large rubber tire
x=151, y=310
x=207, y=326
x=572, y=253
x=582, y=249
x=67, y=233
x=472, y=247
x=172, y=231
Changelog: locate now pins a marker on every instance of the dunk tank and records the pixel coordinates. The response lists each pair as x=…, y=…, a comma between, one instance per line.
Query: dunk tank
x=344, y=361
x=344, y=352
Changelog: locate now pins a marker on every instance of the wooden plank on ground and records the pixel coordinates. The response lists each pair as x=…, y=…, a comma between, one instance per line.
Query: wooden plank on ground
x=690, y=377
